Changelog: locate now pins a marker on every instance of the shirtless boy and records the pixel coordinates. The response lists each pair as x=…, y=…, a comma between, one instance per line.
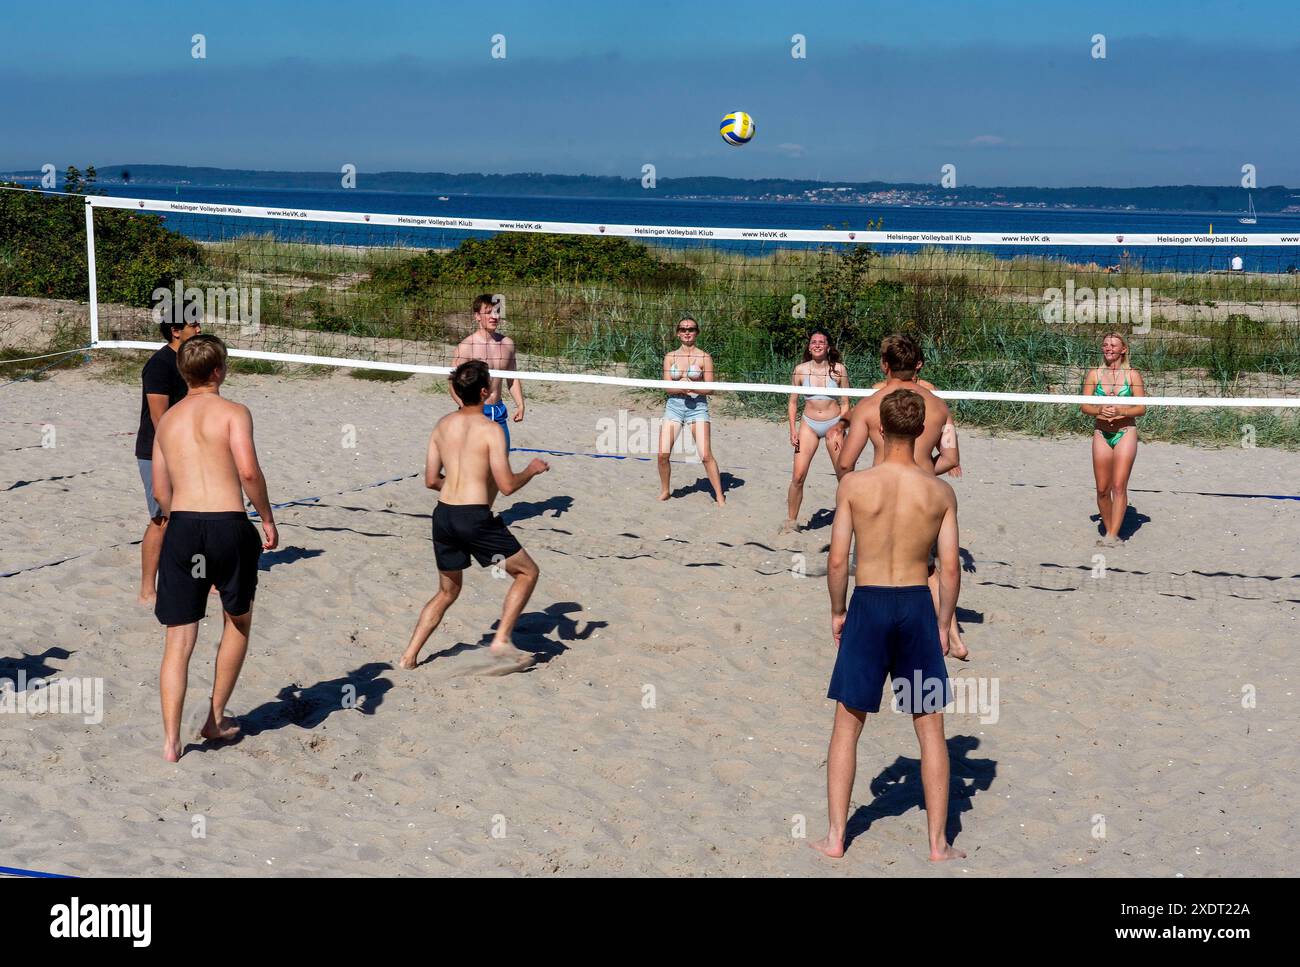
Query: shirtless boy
x=937, y=451
x=893, y=513
x=204, y=463
x=498, y=351
x=467, y=464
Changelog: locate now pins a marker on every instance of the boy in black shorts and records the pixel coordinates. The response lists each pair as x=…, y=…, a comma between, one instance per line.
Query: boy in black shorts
x=204, y=462
x=467, y=463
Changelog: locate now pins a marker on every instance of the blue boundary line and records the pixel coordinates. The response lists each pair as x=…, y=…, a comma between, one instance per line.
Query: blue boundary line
x=1202, y=493
x=595, y=456
x=380, y=483
x=34, y=874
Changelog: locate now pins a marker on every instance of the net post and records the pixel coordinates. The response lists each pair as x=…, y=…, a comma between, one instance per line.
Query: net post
x=90, y=274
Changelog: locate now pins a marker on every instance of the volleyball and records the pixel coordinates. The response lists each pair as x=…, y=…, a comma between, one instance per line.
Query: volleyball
x=737, y=128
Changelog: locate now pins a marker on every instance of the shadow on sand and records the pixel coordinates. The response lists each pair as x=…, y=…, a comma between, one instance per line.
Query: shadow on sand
x=1130, y=525
x=360, y=690
x=32, y=666
x=897, y=788
x=730, y=482
x=527, y=509
x=536, y=633
x=287, y=555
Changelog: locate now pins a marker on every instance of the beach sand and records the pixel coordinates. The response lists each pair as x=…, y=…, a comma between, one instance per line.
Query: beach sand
x=676, y=722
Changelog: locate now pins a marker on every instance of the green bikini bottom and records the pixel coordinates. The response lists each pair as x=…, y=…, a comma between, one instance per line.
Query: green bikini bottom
x=1113, y=438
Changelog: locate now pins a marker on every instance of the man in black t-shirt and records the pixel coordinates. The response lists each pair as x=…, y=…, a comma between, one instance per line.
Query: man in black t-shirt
x=162, y=388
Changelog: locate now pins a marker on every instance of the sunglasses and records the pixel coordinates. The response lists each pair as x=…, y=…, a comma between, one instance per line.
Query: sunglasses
x=686, y=329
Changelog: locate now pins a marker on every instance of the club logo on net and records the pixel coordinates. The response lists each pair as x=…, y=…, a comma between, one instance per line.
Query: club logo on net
x=102, y=921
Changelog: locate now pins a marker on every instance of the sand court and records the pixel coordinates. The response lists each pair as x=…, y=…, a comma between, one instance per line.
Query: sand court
x=675, y=721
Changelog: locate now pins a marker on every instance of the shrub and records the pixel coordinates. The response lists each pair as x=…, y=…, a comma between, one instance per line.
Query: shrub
x=44, y=250
x=522, y=257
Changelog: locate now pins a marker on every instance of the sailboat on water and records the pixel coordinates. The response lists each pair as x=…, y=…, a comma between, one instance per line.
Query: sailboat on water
x=1249, y=218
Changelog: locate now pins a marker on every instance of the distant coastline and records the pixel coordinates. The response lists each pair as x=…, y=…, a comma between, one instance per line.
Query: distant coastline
x=1184, y=198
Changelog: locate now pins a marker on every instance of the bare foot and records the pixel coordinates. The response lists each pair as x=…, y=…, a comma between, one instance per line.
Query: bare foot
x=172, y=750
x=947, y=853
x=957, y=648
x=407, y=663
x=224, y=732
x=789, y=527
x=722, y=501
x=664, y=495
x=507, y=652
x=146, y=599
x=831, y=846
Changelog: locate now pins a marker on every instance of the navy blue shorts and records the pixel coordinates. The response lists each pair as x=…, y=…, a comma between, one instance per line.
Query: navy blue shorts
x=497, y=413
x=894, y=632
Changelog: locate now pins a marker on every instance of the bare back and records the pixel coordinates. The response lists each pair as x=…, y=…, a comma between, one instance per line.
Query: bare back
x=937, y=416
x=896, y=513
x=472, y=451
x=198, y=438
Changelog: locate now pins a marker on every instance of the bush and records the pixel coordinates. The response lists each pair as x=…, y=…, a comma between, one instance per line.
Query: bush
x=843, y=300
x=43, y=253
x=522, y=257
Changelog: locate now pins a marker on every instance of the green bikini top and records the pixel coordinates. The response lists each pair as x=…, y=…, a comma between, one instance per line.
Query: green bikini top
x=1100, y=390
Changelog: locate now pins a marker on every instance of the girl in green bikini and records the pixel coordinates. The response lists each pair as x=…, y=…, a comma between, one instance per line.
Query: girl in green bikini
x=1115, y=438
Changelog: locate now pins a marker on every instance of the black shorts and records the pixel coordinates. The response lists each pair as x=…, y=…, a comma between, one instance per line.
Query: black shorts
x=202, y=549
x=462, y=530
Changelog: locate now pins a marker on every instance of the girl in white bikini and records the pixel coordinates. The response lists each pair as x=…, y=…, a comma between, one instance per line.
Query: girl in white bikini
x=688, y=407
x=824, y=416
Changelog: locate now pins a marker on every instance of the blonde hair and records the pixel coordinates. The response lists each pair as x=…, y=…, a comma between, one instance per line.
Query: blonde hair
x=199, y=357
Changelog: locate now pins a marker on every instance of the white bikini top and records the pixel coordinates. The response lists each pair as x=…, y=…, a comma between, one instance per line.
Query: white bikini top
x=807, y=381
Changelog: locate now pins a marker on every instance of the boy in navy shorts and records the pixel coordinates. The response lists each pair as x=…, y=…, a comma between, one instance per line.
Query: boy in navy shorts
x=893, y=513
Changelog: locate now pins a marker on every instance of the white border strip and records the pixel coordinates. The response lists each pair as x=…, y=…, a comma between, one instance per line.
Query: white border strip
x=705, y=234
x=785, y=390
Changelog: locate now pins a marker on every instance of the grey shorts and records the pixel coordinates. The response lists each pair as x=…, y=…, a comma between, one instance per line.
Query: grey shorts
x=146, y=478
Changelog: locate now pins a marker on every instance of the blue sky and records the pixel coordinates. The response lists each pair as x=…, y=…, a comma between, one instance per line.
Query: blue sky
x=1007, y=92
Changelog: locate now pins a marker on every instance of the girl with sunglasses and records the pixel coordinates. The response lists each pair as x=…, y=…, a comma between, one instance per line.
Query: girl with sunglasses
x=688, y=407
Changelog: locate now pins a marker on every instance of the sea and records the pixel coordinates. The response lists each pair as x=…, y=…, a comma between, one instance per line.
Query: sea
x=760, y=215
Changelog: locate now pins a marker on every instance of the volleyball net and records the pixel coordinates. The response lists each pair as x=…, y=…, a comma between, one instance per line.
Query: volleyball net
x=1212, y=320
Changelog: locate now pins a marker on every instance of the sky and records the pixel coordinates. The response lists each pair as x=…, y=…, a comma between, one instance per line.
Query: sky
x=1008, y=93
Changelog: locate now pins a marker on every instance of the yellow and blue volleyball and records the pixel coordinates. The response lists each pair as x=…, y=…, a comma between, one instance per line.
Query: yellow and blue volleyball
x=737, y=128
